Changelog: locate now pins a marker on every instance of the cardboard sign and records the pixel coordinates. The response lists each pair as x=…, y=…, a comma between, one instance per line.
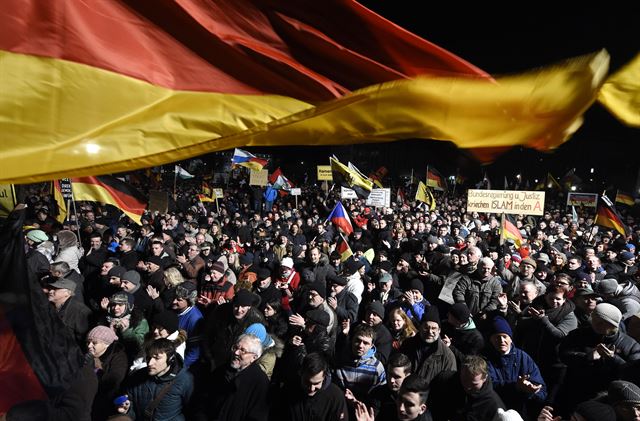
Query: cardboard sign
x=259, y=178
x=218, y=193
x=65, y=188
x=514, y=202
x=379, y=198
x=158, y=201
x=296, y=192
x=585, y=200
x=324, y=173
x=347, y=193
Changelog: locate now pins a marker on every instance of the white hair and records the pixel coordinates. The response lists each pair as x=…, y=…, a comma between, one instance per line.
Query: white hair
x=255, y=344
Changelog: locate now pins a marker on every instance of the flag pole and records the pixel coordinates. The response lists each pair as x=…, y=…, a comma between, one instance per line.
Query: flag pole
x=175, y=181
x=502, y=229
x=75, y=210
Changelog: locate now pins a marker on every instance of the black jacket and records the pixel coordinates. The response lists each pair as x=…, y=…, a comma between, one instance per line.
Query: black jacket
x=234, y=396
x=328, y=404
x=449, y=401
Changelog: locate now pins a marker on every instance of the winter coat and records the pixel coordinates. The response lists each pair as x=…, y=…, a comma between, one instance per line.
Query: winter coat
x=75, y=316
x=480, y=296
x=232, y=396
x=143, y=389
x=586, y=376
x=347, y=306
x=540, y=338
x=110, y=376
x=428, y=360
x=449, y=401
x=504, y=371
x=361, y=375
x=191, y=322
x=327, y=404
x=465, y=341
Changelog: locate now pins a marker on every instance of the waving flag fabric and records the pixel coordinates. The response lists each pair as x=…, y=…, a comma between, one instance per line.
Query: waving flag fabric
x=341, y=219
x=509, y=231
x=608, y=216
x=621, y=93
x=38, y=354
x=103, y=87
x=435, y=179
x=60, y=202
x=343, y=249
x=346, y=176
x=248, y=160
x=183, y=174
x=110, y=190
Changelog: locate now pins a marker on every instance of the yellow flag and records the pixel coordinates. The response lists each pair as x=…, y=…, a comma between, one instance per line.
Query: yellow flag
x=621, y=93
x=139, y=125
x=421, y=193
x=7, y=199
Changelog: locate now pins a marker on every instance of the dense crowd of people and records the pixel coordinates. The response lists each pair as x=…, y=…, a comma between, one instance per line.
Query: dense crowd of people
x=235, y=312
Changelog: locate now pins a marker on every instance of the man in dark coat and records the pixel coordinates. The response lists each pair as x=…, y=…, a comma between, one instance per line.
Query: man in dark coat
x=315, y=397
x=467, y=396
x=428, y=354
x=237, y=390
x=73, y=313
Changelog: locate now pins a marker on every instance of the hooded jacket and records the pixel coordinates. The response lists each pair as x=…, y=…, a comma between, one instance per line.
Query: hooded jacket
x=327, y=404
x=361, y=375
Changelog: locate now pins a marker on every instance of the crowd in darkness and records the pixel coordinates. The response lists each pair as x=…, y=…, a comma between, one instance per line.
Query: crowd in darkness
x=241, y=310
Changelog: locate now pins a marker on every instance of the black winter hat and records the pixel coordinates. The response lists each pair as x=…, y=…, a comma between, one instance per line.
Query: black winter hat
x=376, y=307
x=318, y=317
x=167, y=320
x=431, y=314
x=320, y=288
x=460, y=312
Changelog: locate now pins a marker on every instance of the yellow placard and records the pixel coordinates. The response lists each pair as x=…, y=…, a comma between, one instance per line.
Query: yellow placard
x=259, y=178
x=324, y=173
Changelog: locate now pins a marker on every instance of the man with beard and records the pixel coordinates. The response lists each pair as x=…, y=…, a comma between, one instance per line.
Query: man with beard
x=428, y=354
x=238, y=389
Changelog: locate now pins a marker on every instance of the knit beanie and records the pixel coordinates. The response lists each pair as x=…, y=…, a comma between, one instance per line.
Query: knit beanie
x=416, y=284
x=609, y=313
x=318, y=317
x=595, y=411
x=608, y=286
x=499, y=326
x=460, y=312
x=117, y=272
x=218, y=266
x=102, y=334
x=131, y=276
x=621, y=391
x=319, y=287
x=376, y=307
x=431, y=314
x=167, y=320
x=244, y=298
x=258, y=330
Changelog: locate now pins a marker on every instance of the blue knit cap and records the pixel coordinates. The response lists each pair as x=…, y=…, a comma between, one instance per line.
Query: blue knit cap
x=500, y=325
x=258, y=330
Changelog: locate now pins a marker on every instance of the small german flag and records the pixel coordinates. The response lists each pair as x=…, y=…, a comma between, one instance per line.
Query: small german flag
x=110, y=190
x=624, y=198
x=435, y=179
x=607, y=216
x=57, y=195
x=342, y=247
x=510, y=231
x=203, y=198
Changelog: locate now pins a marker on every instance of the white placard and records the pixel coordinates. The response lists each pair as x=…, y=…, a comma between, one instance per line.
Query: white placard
x=296, y=192
x=514, y=202
x=218, y=193
x=347, y=193
x=379, y=198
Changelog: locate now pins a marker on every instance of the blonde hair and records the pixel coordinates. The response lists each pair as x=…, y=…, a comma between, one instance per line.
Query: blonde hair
x=409, y=328
x=173, y=277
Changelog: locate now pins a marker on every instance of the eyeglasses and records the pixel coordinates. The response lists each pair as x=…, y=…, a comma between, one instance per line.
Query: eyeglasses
x=241, y=351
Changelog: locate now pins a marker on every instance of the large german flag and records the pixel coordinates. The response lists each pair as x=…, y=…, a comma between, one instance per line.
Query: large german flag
x=607, y=216
x=110, y=190
x=104, y=87
x=38, y=354
x=435, y=179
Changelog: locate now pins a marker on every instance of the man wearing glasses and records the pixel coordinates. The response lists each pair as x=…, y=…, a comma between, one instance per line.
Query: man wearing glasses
x=236, y=390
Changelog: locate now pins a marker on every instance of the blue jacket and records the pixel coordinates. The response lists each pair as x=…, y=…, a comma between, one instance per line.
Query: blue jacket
x=190, y=322
x=143, y=390
x=504, y=371
x=415, y=311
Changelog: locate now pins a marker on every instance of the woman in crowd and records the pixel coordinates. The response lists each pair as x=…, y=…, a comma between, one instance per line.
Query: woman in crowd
x=400, y=326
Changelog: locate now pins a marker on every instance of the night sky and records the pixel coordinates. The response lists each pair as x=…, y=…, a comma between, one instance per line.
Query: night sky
x=531, y=35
